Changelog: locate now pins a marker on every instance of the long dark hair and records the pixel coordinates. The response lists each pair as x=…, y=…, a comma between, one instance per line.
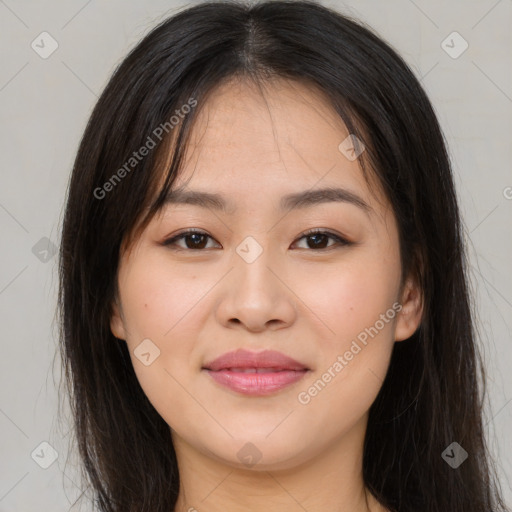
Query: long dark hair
x=433, y=393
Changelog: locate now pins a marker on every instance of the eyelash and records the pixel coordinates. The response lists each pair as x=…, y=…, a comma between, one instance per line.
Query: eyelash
x=340, y=240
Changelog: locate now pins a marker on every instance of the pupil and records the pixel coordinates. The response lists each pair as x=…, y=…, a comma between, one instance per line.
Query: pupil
x=194, y=243
x=320, y=236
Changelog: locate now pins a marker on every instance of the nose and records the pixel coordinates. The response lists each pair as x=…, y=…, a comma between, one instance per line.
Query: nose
x=256, y=295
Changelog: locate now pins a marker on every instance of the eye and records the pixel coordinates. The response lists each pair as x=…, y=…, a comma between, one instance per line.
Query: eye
x=319, y=238
x=195, y=239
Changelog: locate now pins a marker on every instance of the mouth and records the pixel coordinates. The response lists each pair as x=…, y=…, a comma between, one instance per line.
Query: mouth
x=256, y=374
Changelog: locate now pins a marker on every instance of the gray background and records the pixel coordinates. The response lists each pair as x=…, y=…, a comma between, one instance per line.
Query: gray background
x=44, y=106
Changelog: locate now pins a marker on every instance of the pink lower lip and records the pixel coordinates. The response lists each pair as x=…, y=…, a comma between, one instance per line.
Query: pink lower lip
x=256, y=383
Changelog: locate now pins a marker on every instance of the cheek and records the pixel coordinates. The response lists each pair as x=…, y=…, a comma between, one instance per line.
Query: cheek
x=165, y=304
x=355, y=355
x=355, y=305
x=157, y=298
x=348, y=298
x=158, y=303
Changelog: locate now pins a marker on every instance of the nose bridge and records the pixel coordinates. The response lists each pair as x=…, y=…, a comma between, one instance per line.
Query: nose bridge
x=253, y=261
x=250, y=249
x=254, y=295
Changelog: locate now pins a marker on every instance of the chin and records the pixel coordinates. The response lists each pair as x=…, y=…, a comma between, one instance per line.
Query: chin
x=259, y=453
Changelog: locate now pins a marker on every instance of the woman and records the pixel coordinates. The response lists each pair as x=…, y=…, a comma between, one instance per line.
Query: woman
x=263, y=294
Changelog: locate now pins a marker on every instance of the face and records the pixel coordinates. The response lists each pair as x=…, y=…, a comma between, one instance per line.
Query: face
x=253, y=278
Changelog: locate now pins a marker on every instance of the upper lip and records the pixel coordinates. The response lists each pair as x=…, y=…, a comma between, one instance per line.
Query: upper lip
x=245, y=359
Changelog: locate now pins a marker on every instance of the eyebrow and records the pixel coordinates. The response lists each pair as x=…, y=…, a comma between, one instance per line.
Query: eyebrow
x=289, y=202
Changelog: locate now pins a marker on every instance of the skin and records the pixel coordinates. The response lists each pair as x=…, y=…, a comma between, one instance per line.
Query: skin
x=309, y=303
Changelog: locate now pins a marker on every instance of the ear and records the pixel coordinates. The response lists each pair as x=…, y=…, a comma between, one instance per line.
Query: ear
x=409, y=317
x=116, y=323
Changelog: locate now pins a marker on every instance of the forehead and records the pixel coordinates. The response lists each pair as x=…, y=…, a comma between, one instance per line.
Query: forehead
x=270, y=119
x=281, y=134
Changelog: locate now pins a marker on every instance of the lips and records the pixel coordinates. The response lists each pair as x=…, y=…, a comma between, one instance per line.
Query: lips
x=251, y=373
x=245, y=361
